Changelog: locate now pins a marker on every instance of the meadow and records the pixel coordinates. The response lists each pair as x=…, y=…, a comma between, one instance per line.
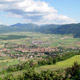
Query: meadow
x=7, y=61
x=26, y=38
x=55, y=67
x=60, y=65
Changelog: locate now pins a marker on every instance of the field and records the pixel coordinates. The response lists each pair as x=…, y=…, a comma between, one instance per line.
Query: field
x=7, y=61
x=48, y=40
x=30, y=39
x=15, y=74
x=60, y=65
x=26, y=38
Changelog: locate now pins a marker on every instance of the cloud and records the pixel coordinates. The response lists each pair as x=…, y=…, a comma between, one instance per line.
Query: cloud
x=0, y=22
x=34, y=11
x=11, y=15
x=8, y=1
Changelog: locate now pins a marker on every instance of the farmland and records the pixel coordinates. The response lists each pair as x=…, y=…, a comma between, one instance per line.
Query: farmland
x=20, y=47
x=6, y=61
x=47, y=40
x=31, y=41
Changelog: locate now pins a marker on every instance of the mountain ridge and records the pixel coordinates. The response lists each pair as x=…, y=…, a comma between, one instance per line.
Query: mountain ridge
x=47, y=28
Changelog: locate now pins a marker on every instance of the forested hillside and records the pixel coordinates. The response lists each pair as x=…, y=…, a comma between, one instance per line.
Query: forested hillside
x=68, y=29
x=48, y=28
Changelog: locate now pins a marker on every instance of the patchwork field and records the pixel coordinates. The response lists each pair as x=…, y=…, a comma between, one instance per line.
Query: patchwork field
x=60, y=65
x=38, y=39
x=46, y=40
x=5, y=62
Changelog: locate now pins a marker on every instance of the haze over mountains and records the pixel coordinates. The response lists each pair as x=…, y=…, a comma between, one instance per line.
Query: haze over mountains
x=47, y=28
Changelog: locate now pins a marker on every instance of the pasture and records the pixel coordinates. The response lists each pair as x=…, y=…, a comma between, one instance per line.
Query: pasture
x=7, y=61
x=26, y=38
x=60, y=65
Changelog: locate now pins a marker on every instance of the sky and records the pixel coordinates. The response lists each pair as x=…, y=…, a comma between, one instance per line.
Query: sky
x=39, y=11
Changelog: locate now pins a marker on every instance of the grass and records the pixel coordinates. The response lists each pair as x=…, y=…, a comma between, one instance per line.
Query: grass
x=11, y=37
x=13, y=62
x=4, y=58
x=15, y=74
x=8, y=62
x=60, y=65
x=25, y=38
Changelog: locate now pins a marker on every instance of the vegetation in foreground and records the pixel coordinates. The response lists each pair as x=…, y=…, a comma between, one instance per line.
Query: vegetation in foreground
x=59, y=65
x=24, y=53
x=29, y=73
x=71, y=73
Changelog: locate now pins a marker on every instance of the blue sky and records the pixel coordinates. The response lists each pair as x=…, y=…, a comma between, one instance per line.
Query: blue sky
x=39, y=11
x=67, y=7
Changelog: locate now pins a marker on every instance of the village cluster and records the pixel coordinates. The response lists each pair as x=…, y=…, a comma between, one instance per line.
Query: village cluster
x=27, y=52
x=23, y=52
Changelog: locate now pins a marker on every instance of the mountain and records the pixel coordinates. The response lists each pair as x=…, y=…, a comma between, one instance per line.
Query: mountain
x=67, y=29
x=24, y=27
x=47, y=28
x=33, y=27
x=4, y=28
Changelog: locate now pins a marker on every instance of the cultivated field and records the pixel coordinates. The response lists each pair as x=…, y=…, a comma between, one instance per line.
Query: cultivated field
x=42, y=40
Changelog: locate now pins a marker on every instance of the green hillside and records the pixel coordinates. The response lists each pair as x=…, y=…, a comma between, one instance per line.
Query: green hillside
x=47, y=28
x=60, y=65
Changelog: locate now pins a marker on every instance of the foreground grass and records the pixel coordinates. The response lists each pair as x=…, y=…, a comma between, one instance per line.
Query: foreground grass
x=8, y=62
x=15, y=74
x=60, y=65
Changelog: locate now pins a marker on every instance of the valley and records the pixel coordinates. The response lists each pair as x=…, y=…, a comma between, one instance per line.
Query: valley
x=19, y=48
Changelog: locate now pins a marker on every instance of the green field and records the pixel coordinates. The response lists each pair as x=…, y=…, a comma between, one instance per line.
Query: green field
x=60, y=65
x=26, y=38
x=7, y=61
x=15, y=74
